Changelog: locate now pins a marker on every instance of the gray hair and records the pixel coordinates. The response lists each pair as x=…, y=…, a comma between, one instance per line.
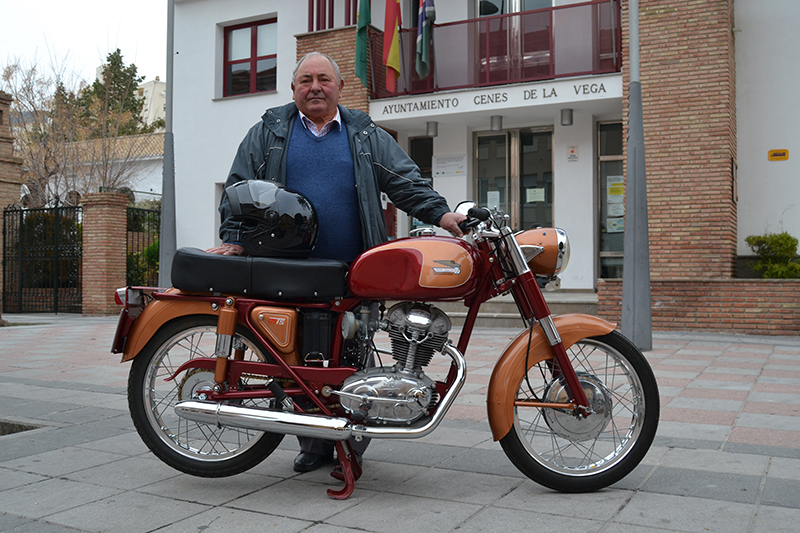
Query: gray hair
x=320, y=54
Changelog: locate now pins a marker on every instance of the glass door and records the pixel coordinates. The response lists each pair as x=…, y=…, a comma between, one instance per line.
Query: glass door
x=536, y=178
x=492, y=171
x=514, y=172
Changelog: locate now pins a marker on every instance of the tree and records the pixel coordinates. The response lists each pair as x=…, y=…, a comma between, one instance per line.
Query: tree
x=76, y=138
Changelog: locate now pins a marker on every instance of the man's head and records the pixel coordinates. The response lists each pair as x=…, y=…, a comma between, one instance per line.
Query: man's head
x=317, y=86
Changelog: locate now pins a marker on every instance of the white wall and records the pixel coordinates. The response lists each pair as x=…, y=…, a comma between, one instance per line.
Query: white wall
x=575, y=203
x=208, y=130
x=768, y=115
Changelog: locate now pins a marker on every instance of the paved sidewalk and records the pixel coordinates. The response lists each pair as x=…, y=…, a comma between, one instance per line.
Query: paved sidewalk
x=726, y=457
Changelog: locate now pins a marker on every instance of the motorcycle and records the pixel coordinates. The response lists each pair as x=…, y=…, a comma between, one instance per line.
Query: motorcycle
x=244, y=350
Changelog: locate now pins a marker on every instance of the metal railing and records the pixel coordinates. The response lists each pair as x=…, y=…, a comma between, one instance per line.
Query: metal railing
x=574, y=40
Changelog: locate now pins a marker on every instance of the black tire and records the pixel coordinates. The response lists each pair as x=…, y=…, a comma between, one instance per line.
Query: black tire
x=191, y=447
x=569, y=454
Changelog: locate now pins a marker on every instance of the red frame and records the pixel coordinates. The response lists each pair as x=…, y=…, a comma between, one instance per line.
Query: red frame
x=252, y=60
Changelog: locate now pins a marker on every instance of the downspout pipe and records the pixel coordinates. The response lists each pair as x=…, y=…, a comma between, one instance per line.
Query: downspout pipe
x=168, y=239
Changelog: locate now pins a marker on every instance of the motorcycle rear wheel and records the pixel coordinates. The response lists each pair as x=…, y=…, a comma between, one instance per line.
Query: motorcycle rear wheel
x=191, y=447
x=570, y=454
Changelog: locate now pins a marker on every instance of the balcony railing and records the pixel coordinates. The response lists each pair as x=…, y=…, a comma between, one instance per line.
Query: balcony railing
x=575, y=40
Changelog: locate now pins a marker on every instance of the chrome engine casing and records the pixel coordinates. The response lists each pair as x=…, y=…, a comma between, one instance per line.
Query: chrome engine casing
x=401, y=393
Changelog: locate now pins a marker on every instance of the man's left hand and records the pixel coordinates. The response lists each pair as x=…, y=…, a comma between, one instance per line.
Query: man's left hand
x=450, y=222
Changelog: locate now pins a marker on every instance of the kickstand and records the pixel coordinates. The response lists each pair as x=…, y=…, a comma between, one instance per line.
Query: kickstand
x=349, y=473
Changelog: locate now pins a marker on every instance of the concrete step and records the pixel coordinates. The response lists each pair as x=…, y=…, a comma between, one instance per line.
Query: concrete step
x=501, y=312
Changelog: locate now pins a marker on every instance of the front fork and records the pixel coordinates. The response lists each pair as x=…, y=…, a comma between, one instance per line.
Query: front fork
x=531, y=301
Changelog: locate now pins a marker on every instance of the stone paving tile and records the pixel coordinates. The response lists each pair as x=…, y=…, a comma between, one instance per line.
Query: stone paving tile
x=401, y=514
x=776, y=520
x=680, y=513
x=130, y=512
x=762, y=437
x=51, y=496
x=62, y=461
x=225, y=520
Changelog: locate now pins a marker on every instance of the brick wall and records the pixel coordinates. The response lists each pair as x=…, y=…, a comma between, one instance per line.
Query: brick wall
x=747, y=306
x=104, y=251
x=340, y=44
x=689, y=92
x=10, y=172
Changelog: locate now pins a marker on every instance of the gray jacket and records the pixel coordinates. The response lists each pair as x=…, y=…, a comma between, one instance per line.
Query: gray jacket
x=380, y=166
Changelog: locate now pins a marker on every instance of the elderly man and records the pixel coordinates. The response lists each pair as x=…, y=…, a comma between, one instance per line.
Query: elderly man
x=341, y=161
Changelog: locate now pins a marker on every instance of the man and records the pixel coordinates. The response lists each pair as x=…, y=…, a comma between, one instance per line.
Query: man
x=341, y=161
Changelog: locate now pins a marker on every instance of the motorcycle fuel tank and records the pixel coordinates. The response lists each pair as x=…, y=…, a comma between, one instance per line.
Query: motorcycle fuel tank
x=417, y=268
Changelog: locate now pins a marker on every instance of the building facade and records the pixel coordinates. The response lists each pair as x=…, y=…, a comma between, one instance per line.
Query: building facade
x=525, y=109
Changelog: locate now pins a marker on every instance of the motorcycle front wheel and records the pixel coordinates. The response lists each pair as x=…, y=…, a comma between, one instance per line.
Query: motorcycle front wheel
x=566, y=452
x=191, y=447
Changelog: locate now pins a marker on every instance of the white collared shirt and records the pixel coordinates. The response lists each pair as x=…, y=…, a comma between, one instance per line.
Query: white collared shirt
x=309, y=124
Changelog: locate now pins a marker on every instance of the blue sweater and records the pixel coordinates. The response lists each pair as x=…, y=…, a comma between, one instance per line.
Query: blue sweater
x=321, y=169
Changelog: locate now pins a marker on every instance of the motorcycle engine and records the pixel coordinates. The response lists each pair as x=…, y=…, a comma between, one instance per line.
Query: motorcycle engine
x=402, y=393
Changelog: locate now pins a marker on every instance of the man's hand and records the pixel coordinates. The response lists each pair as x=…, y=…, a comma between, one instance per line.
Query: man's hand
x=450, y=222
x=227, y=249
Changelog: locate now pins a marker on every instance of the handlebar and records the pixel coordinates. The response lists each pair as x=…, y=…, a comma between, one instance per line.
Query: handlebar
x=475, y=216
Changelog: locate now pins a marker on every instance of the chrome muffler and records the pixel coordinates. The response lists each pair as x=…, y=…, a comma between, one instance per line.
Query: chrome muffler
x=318, y=426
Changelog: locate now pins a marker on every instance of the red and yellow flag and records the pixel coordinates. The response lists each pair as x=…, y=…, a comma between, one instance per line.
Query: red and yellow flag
x=391, y=43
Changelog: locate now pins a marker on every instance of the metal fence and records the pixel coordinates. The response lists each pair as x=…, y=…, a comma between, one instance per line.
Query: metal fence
x=143, y=237
x=42, y=260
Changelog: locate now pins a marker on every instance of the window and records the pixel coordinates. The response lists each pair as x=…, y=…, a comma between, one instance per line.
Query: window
x=611, y=162
x=251, y=57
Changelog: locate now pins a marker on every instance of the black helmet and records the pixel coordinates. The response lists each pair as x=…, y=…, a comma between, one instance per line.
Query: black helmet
x=276, y=222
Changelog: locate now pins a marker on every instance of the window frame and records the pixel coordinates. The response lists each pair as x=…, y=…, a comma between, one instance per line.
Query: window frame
x=252, y=60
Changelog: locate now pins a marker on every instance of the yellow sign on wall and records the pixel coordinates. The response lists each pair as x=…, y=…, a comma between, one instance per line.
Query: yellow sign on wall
x=778, y=155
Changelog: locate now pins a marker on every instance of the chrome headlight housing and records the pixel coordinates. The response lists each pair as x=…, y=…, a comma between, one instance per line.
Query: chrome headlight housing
x=546, y=250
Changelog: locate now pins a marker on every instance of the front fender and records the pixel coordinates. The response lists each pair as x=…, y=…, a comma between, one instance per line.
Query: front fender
x=510, y=368
x=156, y=314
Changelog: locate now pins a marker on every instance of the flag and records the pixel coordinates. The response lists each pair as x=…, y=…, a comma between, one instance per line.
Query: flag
x=391, y=43
x=427, y=16
x=362, y=43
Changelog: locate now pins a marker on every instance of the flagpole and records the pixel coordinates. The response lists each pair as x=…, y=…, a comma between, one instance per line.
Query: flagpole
x=402, y=60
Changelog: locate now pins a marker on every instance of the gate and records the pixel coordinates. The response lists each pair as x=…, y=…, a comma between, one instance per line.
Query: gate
x=42, y=251
x=144, y=226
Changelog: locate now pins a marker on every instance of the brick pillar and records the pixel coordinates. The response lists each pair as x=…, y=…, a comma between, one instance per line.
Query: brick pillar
x=104, y=251
x=10, y=172
x=689, y=101
x=340, y=44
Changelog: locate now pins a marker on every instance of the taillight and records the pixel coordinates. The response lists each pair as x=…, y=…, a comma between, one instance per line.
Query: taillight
x=128, y=297
x=119, y=295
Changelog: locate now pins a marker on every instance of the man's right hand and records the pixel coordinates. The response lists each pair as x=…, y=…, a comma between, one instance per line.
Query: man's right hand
x=227, y=249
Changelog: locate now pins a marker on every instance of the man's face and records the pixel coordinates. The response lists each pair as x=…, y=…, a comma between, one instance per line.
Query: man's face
x=316, y=89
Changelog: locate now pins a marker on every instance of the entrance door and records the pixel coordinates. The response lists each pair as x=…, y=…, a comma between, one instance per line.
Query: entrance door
x=514, y=172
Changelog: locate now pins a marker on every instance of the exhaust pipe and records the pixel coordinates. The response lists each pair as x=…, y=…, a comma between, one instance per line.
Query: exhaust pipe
x=255, y=418
x=318, y=426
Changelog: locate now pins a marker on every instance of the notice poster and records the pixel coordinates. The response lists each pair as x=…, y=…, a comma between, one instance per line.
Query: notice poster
x=492, y=199
x=449, y=165
x=534, y=194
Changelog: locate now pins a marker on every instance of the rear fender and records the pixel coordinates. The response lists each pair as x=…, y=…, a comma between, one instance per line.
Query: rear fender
x=155, y=315
x=510, y=367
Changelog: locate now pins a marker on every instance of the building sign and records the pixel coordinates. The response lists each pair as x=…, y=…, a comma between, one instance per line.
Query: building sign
x=778, y=155
x=559, y=92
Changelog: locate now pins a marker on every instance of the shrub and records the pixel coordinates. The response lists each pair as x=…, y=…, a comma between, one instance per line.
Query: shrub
x=777, y=255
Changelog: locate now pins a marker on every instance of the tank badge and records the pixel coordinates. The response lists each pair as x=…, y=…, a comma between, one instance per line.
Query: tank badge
x=450, y=267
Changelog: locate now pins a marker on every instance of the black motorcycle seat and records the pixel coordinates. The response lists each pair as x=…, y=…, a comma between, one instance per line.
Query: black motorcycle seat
x=194, y=270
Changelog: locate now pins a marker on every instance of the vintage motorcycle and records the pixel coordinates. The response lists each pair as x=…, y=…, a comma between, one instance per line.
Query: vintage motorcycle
x=244, y=350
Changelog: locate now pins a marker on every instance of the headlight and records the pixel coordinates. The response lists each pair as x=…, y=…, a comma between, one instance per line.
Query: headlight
x=546, y=250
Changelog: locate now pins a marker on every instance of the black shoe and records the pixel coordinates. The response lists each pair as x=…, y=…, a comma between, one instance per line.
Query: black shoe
x=306, y=462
